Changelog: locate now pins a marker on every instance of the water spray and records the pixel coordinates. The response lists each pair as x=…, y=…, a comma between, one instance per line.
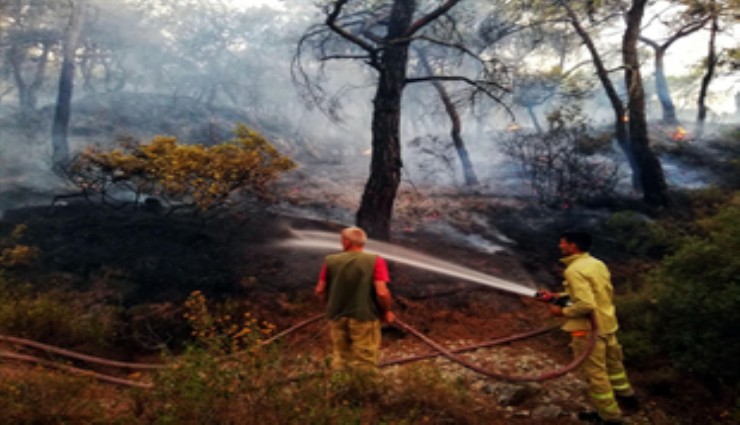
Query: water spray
x=313, y=239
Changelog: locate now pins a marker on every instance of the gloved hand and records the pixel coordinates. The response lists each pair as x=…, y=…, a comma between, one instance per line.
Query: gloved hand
x=550, y=297
x=545, y=296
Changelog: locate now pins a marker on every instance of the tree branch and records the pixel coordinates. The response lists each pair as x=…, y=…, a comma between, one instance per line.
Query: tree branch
x=331, y=22
x=429, y=18
x=479, y=86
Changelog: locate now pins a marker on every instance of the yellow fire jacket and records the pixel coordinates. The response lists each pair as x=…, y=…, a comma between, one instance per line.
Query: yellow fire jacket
x=588, y=282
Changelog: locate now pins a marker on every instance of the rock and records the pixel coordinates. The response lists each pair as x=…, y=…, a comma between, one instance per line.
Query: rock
x=522, y=414
x=514, y=395
x=547, y=411
x=481, y=386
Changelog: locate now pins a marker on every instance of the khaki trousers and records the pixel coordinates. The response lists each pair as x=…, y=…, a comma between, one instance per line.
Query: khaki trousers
x=355, y=344
x=604, y=372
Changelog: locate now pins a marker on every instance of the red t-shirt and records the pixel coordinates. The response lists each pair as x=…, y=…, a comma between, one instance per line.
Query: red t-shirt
x=380, y=271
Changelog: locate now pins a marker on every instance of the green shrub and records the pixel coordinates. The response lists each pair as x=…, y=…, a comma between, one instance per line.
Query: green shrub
x=68, y=319
x=637, y=316
x=637, y=235
x=698, y=299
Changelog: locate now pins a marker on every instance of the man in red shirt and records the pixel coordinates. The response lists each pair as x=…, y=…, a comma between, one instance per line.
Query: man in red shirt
x=353, y=284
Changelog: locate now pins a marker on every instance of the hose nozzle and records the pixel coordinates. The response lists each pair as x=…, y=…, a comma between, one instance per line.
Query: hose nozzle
x=549, y=297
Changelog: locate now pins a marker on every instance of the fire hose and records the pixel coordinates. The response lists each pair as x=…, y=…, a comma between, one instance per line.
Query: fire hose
x=451, y=354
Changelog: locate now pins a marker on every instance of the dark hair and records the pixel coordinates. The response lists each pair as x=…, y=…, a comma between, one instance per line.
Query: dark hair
x=581, y=239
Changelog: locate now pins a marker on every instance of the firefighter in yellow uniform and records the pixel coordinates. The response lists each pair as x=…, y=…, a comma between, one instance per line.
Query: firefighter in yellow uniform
x=588, y=284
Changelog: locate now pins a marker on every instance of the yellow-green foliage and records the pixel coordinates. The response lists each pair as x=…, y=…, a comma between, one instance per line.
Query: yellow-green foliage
x=198, y=174
x=224, y=332
x=14, y=254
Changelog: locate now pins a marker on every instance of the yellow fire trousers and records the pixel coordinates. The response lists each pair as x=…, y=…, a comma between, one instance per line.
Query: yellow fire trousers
x=355, y=344
x=604, y=372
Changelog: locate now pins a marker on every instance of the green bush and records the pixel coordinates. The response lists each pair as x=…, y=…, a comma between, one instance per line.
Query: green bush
x=638, y=236
x=637, y=316
x=698, y=299
x=68, y=319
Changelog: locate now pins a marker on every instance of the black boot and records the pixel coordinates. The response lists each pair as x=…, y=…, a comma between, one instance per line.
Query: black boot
x=592, y=417
x=595, y=418
x=629, y=403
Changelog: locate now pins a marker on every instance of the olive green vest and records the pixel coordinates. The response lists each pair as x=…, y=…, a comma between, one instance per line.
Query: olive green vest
x=351, y=286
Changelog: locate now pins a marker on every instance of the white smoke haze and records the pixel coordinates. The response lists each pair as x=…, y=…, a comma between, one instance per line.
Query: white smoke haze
x=194, y=69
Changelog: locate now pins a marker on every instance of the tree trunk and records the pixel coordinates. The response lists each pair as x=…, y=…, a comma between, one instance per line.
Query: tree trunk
x=455, y=132
x=376, y=208
x=655, y=191
x=27, y=93
x=661, y=88
x=533, y=118
x=60, y=127
x=711, y=64
x=620, y=129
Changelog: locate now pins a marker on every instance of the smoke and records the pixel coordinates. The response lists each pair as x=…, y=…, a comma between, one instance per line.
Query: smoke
x=195, y=69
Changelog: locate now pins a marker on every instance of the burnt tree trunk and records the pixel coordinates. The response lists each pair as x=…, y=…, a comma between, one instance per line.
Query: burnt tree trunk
x=455, y=132
x=661, y=84
x=533, y=118
x=708, y=75
x=620, y=128
x=27, y=93
x=60, y=127
x=655, y=191
x=376, y=208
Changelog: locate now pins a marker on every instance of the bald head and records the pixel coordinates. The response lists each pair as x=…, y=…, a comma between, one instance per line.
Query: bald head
x=353, y=237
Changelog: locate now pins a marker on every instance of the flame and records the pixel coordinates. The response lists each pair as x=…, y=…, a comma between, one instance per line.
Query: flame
x=625, y=118
x=367, y=152
x=679, y=134
x=513, y=127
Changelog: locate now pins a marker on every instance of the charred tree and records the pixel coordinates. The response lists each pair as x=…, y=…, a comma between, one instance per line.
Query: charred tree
x=655, y=190
x=60, y=126
x=28, y=92
x=376, y=207
x=620, y=126
x=455, y=132
x=661, y=83
x=711, y=63
x=380, y=35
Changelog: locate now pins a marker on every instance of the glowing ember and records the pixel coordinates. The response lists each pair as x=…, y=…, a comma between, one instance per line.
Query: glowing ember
x=367, y=152
x=513, y=127
x=625, y=118
x=679, y=134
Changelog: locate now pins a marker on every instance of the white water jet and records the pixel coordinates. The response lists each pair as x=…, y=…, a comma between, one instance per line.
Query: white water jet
x=313, y=239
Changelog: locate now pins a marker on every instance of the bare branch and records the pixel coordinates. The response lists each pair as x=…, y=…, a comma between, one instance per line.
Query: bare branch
x=331, y=22
x=356, y=57
x=480, y=86
x=429, y=18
